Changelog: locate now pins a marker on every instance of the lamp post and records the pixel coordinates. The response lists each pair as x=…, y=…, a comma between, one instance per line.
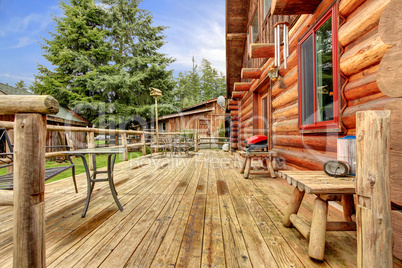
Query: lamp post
x=156, y=93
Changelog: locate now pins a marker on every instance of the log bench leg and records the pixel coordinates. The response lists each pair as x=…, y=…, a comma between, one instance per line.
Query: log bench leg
x=243, y=166
x=316, y=246
x=270, y=167
x=293, y=207
x=348, y=206
x=248, y=167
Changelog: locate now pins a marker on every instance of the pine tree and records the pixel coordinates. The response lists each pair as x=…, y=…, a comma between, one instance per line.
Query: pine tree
x=78, y=51
x=199, y=85
x=21, y=85
x=137, y=64
x=105, y=57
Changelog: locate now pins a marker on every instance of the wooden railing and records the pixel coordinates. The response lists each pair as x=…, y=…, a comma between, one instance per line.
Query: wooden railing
x=123, y=133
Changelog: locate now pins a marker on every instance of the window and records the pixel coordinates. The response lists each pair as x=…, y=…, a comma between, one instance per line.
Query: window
x=265, y=124
x=254, y=27
x=267, y=7
x=319, y=75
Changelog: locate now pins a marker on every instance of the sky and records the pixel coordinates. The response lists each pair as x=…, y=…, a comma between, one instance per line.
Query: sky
x=196, y=28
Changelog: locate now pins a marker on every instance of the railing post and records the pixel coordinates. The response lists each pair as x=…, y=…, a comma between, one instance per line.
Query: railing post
x=91, y=145
x=144, y=151
x=29, y=175
x=124, y=144
x=195, y=141
x=374, y=231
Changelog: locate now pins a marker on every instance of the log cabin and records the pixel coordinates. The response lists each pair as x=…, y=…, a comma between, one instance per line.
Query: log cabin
x=207, y=118
x=344, y=57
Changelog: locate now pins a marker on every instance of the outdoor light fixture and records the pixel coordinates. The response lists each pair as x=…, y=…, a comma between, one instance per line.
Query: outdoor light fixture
x=273, y=73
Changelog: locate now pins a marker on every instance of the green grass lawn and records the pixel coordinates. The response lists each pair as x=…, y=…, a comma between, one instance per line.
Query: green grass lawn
x=101, y=161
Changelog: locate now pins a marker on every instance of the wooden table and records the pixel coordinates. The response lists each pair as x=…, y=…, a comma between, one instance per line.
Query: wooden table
x=91, y=178
x=266, y=159
x=326, y=188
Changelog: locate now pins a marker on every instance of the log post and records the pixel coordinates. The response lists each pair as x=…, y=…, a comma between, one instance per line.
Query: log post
x=91, y=145
x=247, y=168
x=29, y=176
x=124, y=144
x=316, y=245
x=29, y=190
x=374, y=231
x=195, y=141
x=144, y=151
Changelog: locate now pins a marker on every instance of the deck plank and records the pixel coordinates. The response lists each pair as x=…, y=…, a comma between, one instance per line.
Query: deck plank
x=168, y=251
x=213, y=254
x=281, y=251
x=236, y=252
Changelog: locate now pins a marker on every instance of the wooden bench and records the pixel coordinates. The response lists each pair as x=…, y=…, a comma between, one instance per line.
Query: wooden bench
x=266, y=160
x=326, y=188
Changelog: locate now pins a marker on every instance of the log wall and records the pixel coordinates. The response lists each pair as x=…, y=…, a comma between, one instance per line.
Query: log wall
x=361, y=50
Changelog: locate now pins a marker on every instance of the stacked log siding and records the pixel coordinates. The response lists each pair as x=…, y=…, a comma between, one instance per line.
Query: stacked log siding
x=362, y=46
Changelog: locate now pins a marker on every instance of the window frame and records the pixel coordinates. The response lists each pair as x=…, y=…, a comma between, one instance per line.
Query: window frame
x=253, y=38
x=323, y=126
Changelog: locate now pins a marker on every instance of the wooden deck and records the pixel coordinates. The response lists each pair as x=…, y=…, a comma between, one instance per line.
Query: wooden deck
x=186, y=212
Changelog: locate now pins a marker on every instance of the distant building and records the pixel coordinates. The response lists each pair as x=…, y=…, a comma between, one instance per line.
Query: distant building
x=207, y=118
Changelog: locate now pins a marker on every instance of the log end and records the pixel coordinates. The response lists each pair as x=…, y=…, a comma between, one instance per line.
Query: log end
x=52, y=105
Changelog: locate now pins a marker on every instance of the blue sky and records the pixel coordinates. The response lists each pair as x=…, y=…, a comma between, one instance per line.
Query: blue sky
x=196, y=28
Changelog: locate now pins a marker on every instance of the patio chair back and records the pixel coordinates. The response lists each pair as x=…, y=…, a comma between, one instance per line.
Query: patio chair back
x=5, y=141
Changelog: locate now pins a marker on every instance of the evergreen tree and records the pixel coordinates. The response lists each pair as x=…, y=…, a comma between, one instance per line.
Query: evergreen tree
x=213, y=84
x=78, y=51
x=21, y=85
x=105, y=58
x=137, y=64
x=199, y=85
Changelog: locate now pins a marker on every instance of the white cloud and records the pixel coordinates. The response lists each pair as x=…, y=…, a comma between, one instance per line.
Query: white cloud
x=17, y=77
x=21, y=32
x=202, y=36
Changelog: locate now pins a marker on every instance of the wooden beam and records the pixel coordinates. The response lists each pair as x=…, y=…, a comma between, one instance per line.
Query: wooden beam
x=236, y=36
x=241, y=86
x=233, y=107
x=237, y=94
x=233, y=102
x=374, y=235
x=234, y=113
x=42, y=104
x=29, y=190
x=262, y=50
x=251, y=73
x=6, y=198
x=292, y=7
